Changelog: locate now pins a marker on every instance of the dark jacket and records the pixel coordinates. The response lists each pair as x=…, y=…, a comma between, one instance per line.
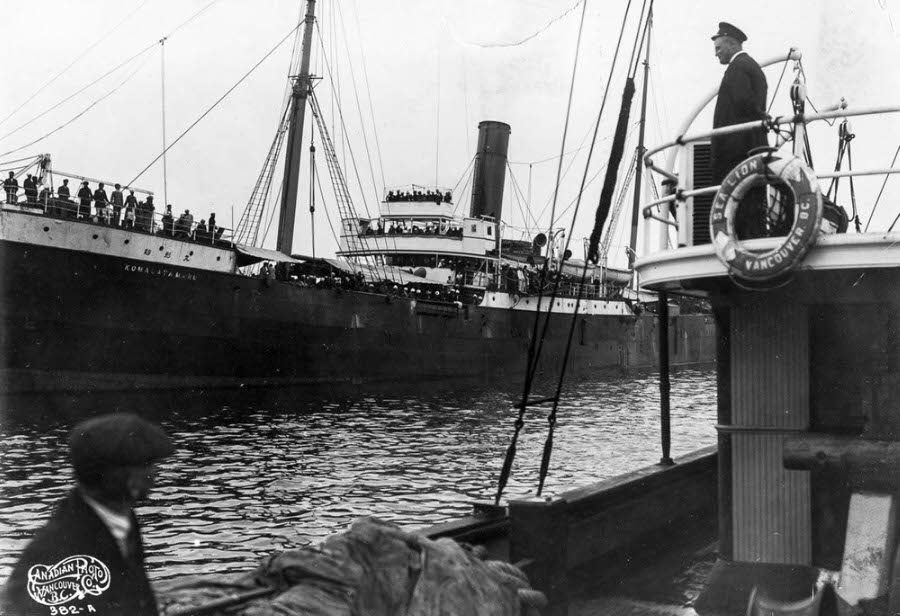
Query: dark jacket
x=75, y=530
x=742, y=98
x=100, y=198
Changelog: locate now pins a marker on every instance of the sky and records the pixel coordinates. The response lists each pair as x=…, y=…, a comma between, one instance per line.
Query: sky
x=413, y=79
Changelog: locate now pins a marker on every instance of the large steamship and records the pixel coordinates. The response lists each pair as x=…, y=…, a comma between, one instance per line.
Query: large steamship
x=417, y=293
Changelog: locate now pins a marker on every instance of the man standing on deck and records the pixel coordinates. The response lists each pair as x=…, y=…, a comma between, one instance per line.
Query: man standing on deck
x=84, y=201
x=117, y=203
x=11, y=186
x=742, y=98
x=89, y=557
x=101, y=200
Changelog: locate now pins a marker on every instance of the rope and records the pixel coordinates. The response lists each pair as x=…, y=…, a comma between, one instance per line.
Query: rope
x=520, y=198
x=359, y=111
x=106, y=74
x=88, y=108
x=883, y=184
x=102, y=38
x=520, y=41
x=345, y=141
x=536, y=344
x=551, y=419
x=362, y=53
x=777, y=85
x=214, y=105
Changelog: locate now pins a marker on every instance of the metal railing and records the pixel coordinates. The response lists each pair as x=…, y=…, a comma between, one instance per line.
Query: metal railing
x=140, y=219
x=677, y=196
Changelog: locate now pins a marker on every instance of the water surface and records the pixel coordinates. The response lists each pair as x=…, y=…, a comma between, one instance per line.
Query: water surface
x=262, y=471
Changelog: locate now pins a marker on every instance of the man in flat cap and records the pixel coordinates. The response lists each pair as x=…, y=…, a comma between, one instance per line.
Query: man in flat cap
x=89, y=557
x=742, y=98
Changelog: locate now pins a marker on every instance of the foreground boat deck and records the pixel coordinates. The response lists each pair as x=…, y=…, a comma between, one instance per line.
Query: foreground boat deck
x=663, y=581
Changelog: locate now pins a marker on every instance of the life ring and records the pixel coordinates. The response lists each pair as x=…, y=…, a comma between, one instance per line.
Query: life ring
x=764, y=169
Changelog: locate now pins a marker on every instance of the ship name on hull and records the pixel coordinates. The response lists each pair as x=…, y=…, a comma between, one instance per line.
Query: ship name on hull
x=160, y=272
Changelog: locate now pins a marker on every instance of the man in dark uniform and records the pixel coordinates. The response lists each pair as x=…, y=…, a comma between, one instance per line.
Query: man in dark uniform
x=742, y=98
x=11, y=186
x=89, y=557
x=31, y=191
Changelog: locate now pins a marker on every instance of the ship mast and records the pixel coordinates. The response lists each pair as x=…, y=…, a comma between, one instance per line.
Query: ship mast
x=301, y=85
x=641, y=151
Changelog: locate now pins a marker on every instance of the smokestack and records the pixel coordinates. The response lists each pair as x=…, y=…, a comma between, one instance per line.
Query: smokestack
x=490, y=169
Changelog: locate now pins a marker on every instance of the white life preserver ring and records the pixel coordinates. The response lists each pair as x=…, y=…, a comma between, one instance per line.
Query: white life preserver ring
x=764, y=169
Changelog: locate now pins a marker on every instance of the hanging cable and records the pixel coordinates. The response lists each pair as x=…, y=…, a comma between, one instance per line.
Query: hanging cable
x=84, y=111
x=622, y=125
x=359, y=111
x=345, y=140
x=102, y=38
x=535, y=345
x=214, y=105
x=778, y=85
x=106, y=74
x=880, y=192
x=369, y=93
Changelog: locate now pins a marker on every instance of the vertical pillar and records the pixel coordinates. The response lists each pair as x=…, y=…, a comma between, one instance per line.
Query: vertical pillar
x=722, y=315
x=539, y=531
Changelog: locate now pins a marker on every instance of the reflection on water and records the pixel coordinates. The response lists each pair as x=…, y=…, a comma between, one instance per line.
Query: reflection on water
x=260, y=471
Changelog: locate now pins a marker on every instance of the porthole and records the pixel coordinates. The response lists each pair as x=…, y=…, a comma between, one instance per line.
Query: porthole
x=161, y=248
x=96, y=236
x=127, y=241
x=46, y=229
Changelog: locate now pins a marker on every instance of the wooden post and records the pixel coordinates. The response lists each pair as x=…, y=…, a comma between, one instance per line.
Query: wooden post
x=539, y=531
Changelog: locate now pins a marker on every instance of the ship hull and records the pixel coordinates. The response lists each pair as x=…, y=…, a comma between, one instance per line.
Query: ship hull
x=86, y=321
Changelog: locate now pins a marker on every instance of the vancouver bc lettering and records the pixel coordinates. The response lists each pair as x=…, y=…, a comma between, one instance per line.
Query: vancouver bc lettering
x=72, y=578
x=160, y=272
x=788, y=249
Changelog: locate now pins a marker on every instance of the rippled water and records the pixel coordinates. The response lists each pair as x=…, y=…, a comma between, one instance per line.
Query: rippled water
x=263, y=471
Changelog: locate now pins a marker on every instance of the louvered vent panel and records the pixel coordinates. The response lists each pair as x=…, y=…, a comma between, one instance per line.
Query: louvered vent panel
x=702, y=176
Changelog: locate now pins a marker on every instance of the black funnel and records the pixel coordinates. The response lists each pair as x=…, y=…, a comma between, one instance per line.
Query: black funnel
x=490, y=169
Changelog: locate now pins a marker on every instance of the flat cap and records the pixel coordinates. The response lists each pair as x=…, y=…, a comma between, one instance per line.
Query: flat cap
x=726, y=29
x=117, y=439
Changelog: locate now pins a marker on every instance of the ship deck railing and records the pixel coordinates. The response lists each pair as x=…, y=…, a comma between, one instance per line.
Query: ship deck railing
x=453, y=234
x=674, y=210
x=154, y=224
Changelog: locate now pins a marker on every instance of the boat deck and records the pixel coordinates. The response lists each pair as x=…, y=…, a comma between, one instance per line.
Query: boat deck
x=664, y=581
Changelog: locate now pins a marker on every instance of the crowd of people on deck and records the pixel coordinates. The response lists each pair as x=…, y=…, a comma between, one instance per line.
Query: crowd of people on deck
x=432, y=196
x=401, y=228
x=115, y=209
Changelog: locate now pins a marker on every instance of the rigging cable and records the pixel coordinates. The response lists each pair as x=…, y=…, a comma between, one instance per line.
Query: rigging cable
x=214, y=105
x=106, y=74
x=345, y=139
x=534, y=347
x=102, y=38
x=778, y=85
x=362, y=53
x=84, y=111
x=362, y=122
x=883, y=184
x=521, y=41
x=551, y=419
x=581, y=188
x=520, y=198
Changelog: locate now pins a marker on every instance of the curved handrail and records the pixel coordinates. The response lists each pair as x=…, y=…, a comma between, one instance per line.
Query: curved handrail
x=799, y=118
x=793, y=54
